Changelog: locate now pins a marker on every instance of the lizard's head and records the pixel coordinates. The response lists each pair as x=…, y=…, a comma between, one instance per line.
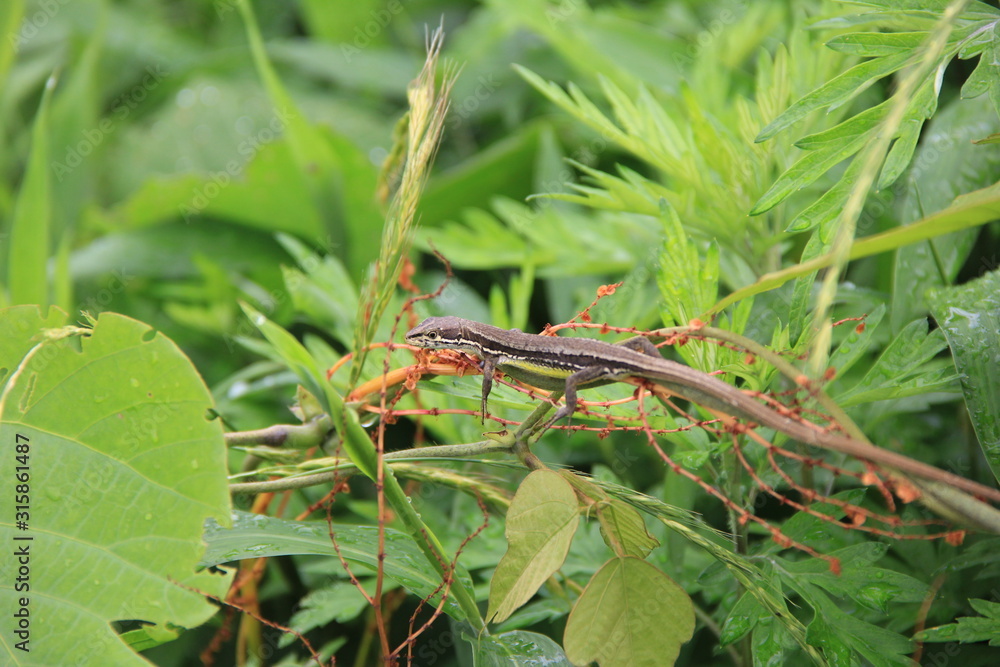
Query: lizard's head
x=437, y=332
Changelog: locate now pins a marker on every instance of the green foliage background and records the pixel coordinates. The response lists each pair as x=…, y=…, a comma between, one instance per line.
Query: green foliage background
x=167, y=161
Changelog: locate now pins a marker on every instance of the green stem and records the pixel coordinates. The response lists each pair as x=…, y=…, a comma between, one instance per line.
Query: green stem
x=344, y=466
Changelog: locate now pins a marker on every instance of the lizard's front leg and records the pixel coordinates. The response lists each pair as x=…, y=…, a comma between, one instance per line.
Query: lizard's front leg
x=580, y=377
x=489, y=367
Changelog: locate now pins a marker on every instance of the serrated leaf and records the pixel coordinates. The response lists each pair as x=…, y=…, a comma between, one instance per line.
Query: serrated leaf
x=806, y=170
x=981, y=79
x=124, y=468
x=741, y=619
x=985, y=628
x=856, y=344
x=826, y=210
x=877, y=43
x=901, y=152
x=922, y=106
x=340, y=602
x=905, y=367
x=541, y=521
x=852, y=128
x=968, y=210
x=630, y=614
x=836, y=91
x=769, y=642
x=860, y=580
x=969, y=316
x=844, y=637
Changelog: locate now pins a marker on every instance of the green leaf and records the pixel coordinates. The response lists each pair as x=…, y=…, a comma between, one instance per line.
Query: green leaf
x=856, y=344
x=825, y=211
x=906, y=367
x=340, y=602
x=149, y=636
x=937, y=261
x=985, y=628
x=164, y=252
x=836, y=91
x=123, y=470
x=257, y=536
x=688, y=283
x=921, y=106
x=629, y=191
x=10, y=33
x=542, y=610
x=968, y=210
x=852, y=135
x=847, y=637
x=356, y=441
x=21, y=328
x=983, y=78
x=969, y=315
x=504, y=169
x=28, y=254
x=844, y=637
x=265, y=193
x=624, y=530
x=321, y=289
x=557, y=242
x=741, y=619
x=541, y=521
x=870, y=44
x=769, y=642
x=860, y=580
x=630, y=614
x=518, y=649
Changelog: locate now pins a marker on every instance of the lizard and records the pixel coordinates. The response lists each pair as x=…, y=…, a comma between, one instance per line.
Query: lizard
x=568, y=364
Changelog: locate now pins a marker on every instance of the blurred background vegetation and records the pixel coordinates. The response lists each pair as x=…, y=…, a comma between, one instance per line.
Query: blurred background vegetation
x=181, y=168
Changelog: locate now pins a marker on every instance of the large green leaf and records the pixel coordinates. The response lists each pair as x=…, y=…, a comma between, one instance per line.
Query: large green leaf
x=257, y=536
x=541, y=521
x=121, y=469
x=21, y=329
x=969, y=315
x=630, y=615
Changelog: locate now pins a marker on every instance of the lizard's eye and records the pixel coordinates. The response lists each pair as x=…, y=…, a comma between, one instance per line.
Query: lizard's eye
x=432, y=335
